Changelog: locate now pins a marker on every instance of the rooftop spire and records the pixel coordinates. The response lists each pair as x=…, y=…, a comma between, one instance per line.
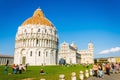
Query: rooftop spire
x=38, y=12
x=39, y=8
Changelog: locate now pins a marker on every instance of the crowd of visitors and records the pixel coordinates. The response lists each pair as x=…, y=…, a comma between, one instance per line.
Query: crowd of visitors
x=107, y=68
x=98, y=69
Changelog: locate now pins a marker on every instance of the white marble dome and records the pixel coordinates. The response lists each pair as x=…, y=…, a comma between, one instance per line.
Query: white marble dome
x=36, y=41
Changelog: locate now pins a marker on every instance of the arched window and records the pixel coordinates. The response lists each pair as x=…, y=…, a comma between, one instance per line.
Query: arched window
x=39, y=53
x=37, y=41
x=47, y=42
x=30, y=53
x=38, y=30
x=46, y=54
x=45, y=30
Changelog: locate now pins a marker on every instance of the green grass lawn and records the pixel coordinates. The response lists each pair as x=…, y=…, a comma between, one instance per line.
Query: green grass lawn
x=52, y=72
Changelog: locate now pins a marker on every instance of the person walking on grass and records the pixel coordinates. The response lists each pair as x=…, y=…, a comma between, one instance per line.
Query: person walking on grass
x=95, y=69
x=116, y=67
x=13, y=68
x=113, y=67
x=100, y=70
x=107, y=67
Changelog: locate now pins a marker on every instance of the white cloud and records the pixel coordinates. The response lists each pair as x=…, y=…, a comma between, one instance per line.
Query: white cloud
x=112, y=50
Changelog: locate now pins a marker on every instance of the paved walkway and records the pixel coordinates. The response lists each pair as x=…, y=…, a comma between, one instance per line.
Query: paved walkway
x=107, y=77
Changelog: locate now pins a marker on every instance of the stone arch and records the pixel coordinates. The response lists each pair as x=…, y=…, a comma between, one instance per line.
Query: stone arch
x=45, y=59
x=62, y=61
x=39, y=56
x=23, y=56
x=47, y=52
x=52, y=56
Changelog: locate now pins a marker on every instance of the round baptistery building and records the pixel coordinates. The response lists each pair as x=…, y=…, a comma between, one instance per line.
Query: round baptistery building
x=36, y=41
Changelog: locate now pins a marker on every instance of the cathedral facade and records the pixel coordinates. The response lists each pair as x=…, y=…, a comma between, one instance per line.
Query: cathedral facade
x=68, y=53
x=72, y=55
x=36, y=41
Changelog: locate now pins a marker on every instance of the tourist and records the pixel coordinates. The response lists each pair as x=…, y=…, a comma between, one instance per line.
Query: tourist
x=116, y=67
x=107, y=67
x=119, y=66
x=42, y=72
x=113, y=67
x=13, y=67
x=103, y=67
x=20, y=69
x=95, y=68
x=100, y=70
x=15, y=70
x=6, y=69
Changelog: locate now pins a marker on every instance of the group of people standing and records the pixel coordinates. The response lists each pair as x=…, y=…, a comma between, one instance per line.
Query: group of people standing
x=99, y=69
x=15, y=68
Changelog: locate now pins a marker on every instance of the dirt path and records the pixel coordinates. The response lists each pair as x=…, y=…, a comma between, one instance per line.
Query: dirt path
x=107, y=77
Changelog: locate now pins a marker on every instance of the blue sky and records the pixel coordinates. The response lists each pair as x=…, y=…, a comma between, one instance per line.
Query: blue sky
x=78, y=21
